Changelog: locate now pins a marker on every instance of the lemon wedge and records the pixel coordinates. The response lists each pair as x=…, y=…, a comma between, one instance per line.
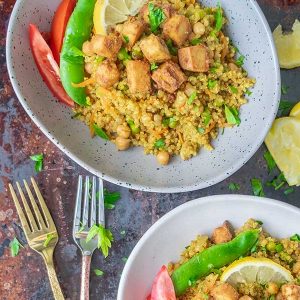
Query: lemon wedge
x=111, y=12
x=295, y=112
x=283, y=142
x=288, y=46
x=260, y=270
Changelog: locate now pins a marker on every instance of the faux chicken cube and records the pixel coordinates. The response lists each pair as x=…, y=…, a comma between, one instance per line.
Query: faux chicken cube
x=194, y=58
x=138, y=76
x=169, y=77
x=132, y=29
x=155, y=49
x=107, y=46
x=107, y=74
x=178, y=28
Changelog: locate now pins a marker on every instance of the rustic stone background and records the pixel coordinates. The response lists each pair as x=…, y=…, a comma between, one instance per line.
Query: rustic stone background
x=24, y=277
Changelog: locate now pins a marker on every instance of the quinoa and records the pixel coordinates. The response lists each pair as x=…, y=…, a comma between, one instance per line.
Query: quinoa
x=195, y=125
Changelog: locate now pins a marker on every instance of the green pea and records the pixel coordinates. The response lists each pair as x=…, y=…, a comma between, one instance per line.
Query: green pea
x=279, y=248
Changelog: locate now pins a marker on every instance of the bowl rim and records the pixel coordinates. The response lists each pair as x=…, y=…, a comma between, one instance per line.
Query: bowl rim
x=132, y=185
x=232, y=198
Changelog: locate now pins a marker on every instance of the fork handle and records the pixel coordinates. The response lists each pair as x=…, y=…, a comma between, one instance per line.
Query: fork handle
x=57, y=292
x=85, y=277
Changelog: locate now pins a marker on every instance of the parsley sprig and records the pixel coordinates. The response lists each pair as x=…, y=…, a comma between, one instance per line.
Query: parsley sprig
x=15, y=247
x=156, y=17
x=39, y=159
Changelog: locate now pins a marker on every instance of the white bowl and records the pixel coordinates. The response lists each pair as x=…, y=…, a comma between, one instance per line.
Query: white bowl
x=166, y=239
x=248, y=30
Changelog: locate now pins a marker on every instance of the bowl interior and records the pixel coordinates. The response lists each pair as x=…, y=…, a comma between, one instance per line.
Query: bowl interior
x=166, y=239
x=249, y=32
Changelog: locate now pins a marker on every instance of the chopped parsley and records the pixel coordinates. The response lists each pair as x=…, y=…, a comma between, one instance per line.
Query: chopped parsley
x=234, y=187
x=232, y=115
x=100, y=132
x=75, y=116
x=240, y=61
x=126, y=39
x=173, y=50
x=105, y=238
x=211, y=84
x=98, y=272
x=123, y=55
x=170, y=122
x=49, y=238
x=284, y=89
x=207, y=117
x=196, y=41
x=110, y=199
x=153, y=67
x=201, y=130
x=248, y=92
x=259, y=222
x=156, y=17
x=278, y=182
x=124, y=259
x=288, y=191
x=257, y=187
x=134, y=129
x=160, y=144
x=295, y=237
x=39, y=159
x=233, y=89
x=15, y=247
x=192, y=98
x=218, y=20
x=285, y=107
x=270, y=161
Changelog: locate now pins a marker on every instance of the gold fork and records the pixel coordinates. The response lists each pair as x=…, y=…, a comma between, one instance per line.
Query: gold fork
x=39, y=229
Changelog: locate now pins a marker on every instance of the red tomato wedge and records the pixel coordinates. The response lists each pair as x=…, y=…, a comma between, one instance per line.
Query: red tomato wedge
x=47, y=65
x=59, y=24
x=162, y=288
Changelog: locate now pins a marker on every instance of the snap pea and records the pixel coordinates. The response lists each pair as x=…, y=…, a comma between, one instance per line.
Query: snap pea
x=213, y=258
x=72, y=63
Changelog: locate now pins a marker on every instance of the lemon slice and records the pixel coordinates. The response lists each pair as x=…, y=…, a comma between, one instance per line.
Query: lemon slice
x=295, y=112
x=283, y=142
x=261, y=270
x=288, y=46
x=111, y=12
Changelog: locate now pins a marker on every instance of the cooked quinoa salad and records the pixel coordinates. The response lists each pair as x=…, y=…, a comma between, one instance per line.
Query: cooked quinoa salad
x=234, y=264
x=168, y=80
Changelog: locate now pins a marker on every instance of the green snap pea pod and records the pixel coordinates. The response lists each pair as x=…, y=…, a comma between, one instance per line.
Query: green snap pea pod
x=72, y=61
x=212, y=258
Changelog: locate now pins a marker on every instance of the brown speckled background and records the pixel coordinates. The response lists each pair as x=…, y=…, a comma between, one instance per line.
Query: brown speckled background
x=24, y=277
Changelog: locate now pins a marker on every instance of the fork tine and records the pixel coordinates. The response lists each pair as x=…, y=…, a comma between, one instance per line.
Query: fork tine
x=50, y=224
x=93, y=208
x=20, y=212
x=77, y=215
x=30, y=216
x=36, y=210
x=101, y=218
x=85, y=212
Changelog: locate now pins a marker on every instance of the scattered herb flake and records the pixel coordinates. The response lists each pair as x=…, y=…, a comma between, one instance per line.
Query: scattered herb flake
x=100, y=132
x=207, y=117
x=234, y=187
x=211, y=83
x=284, y=89
x=218, y=19
x=75, y=116
x=123, y=55
x=259, y=222
x=233, y=89
x=295, y=237
x=134, y=129
x=201, y=130
x=110, y=199
x=248, y=92
x=232, y=115
x=160, y=144
x=192, y=98
x=39, y=159
x=196, y=41
x=279, y=248
x=288, y=191
x=98, y=272
x=284, y=107
x=257, y=187
x=154, y=67
x=126, y=39
x=173, y=50
x=124, y=259
x=156, y=17
x=49, y=238
x=270, y=161
x=15, y=247
x=240, y=61
x=278, y=182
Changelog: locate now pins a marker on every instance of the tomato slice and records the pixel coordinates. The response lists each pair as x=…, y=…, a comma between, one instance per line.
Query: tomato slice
x=162, y=288
x=47, y=65
x=59, y=24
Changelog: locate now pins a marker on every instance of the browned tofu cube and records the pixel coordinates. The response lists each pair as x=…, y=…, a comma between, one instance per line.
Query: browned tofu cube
x=222, y=234
x=155, y=49
x=132, y=29
x=194, y=58
x=178, y=28
x=169, y=77
x=107, y=46
x=167, y=9
x=138, y=76
x=107, y=74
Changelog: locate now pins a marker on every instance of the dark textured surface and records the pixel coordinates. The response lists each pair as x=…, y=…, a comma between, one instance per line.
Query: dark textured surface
x=24, y=277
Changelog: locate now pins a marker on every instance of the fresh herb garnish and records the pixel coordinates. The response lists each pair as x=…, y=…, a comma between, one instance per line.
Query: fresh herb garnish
x=105, y=238
x=153, y=67
x=160, y=144
x=126, y=39
x=232, y=115
x=234, y=187
x=248, y=92
x=207, y=117
x=201, y=130
x=240, y=61
x=196, y=41
x=278, y=182
x=285, y=107
x=134, y=129
x=98, y=272
x=257, y=187
x=284, y=89
x=78, y=114
x=259, y=222
x=49, y=238
x=15, y=247
x=74, y=55
x=279, y=248
x=38, y=158
x=192, y=98
x=218, y=18
x=100, y=132
x=169, y=122
x=110, y=199
x=233, y=89
x=173, y=50
x=211, y=83
x=288, y=191
x=270, y=161
x=156, y=17
x=123, y=55
x=295, y=237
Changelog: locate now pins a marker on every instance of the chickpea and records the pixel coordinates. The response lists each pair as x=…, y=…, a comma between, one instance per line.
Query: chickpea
x=123, y=131
x=157, y=119
x=87, y=48
x=272, y=288
x=122, y=144
x=199, y=29
x=233, y=67
x=245, y=298
x=163, y=157
x=89, y=68
x=224, y=291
